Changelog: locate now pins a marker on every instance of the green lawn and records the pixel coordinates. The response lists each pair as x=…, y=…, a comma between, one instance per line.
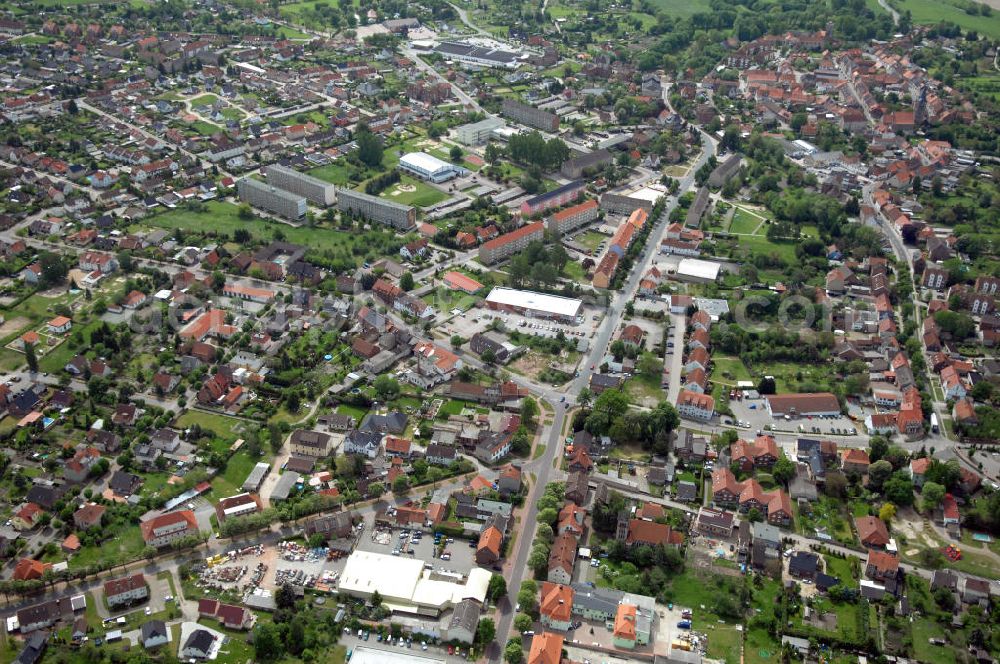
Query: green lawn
x=224, y=218
x=840, y=568
x=204, y=100
x=127, y=545
x=355, y=412
x=924, y=629
x=230, y=481
x=58, y=357
x=745, y=222
x=936, y=11
x=575, y=272
x=226, y=428
x=681, y=8
x=423, y=195
x=759, y=244
x=204, y=128
x=644, y=389
x=730, y=369
x=591, y=239
x=334, y=173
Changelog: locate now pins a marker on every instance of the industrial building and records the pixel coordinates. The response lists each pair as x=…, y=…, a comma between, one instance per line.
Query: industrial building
x=478, y=55
x=315, y=190
x=698, y=271
x=406, y=587
x=477, y=133
x=373, y=208
x=429, y=167
x=567, y=193
x=272, y=199
x=536, y=305
x=806, y=404
x=529, y=115
x=564, y=221
x=368, y=655
x=509, y=244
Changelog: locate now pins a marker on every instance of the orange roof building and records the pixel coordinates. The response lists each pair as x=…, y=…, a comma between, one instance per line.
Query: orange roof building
x=546, y=648
x=556, y=607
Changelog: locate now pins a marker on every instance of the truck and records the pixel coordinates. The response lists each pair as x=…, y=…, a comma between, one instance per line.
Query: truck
x=935, y=428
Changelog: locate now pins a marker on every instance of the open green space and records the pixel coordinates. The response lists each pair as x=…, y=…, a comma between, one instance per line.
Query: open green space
x=58, y=357
x=745, y=222
x=230, y=481
x=334, y=173
x=223, y=217
x=936, y=11
x=226, y=428
x=681, y=8
x=729, y=369
x=923, y=630
x=590, y=240
x=644, y=389
x=204, y=128
x=126, y=545
x=204, y=100
x=422, y=194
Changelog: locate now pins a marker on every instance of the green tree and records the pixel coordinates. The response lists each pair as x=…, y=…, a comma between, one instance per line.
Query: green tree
x=401, y=484
x=53, y=269
x=649, y=365
x=784, y=470
x=30, y=357
x=497, y=587
x=931, y=496
x=898, y=489
x=455, y=153
x=369, y=150
x=513, y=652
x=486, y=631
x=284, y=597
x=529, y=411
x=878, y=473
x=266, y=641
x=406, y=281
x=523, y=622
x=386, y=387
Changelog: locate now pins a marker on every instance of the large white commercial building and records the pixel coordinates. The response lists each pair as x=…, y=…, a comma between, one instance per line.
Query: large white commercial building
x=698, y=271
x=406, y=587
x=368, y=655
x=537, y=305
x=429, y=167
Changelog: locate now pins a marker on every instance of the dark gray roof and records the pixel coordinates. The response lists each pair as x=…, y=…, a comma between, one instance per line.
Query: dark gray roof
x=599, y=600
x=153, y=629
x=201, y=640
x=466, y=616
x=803, y=562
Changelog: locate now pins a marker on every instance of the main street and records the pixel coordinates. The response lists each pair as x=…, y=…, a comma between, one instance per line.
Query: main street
x=542, y=468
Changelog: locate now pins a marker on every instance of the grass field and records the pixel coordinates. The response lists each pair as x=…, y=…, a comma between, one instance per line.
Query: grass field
x=935, y=11
x=57, y=358
x=423, y=195
x=204, y=100
x=335, y=173
x=126, y=545
x=226, y=428
x=230, y=481
x=224, y=218
x=730, y=369
x=759, y=244
x=591, y=239
x=204, y=128
x=681, y=8
x=924, y=629
x=745, y=222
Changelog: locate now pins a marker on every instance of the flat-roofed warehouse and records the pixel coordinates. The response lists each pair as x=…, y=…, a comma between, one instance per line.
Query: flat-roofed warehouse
x=479, y=55
x=429, y=167
x=406, y=587
x=536, y=305
x=698, y=271
x=805, y=404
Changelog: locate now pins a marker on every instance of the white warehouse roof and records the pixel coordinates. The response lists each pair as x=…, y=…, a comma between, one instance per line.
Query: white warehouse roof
x=424, y=162
x=403, y=583
x=692, y=267
x=367, y=655
x=550, y=304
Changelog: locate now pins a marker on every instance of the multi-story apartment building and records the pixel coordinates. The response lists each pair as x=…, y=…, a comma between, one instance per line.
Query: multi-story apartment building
x=403, y=217
x=170, y=527
x=529, y=115
x=315, y=190
x=264, y=196
x=509, y=244
x=558, y=197
x=564, y=221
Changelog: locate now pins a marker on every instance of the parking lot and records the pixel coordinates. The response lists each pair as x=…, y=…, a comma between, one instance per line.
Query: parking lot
x=751, y=414
x=475, y=320
x=459, y=553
